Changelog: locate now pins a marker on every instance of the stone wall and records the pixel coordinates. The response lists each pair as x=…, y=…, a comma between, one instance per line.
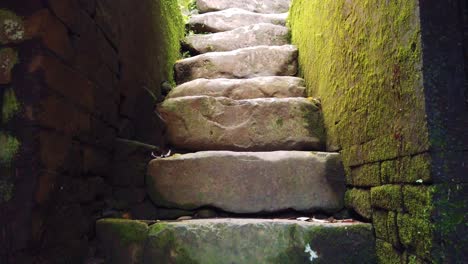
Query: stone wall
x=75, y=75
x=390, y=78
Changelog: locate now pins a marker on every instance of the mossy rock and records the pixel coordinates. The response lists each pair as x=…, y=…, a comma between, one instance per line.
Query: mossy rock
x=122, y=240
x=387, y=254
x=9, y=148
x=387, y=197
x=360, y=201
x=416, y=234
x=10, y=105
x=12, y=27
x=366, y=175
x=258, y=241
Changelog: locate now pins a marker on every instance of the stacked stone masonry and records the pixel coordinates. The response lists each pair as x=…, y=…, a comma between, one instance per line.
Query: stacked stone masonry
x=392, y=102
x=71, y=83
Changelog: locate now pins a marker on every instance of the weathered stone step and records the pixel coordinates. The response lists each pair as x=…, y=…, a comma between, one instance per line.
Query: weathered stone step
x=257, y=6
x=238, y=89
x=265, y=124
x=249, y=182
x=239, y=241
x=231, y=19
x=244, y=37
x=239, y=64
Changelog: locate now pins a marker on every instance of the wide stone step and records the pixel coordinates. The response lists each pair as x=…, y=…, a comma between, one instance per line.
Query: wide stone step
x=239, y=64
x=249, y=182
x=265, y=124
x=238, y=89
x=257, y=6
x=249, y=36
x=238, y=241
x=231, y=19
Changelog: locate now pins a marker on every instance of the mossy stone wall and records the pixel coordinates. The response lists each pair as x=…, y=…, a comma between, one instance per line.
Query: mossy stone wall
x=380, y=69
x=75, y=75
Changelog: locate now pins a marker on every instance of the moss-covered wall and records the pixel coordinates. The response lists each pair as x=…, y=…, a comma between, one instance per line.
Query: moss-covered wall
x=74, y=77
x=367, y=62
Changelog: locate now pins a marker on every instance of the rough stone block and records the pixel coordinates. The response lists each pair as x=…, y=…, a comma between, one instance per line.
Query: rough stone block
x=12, y=29
x=123, y=241
x=238, y=89
x=258, y=6
x=51, y=31
x=387, y=254
x=245, y=240
x=65, y=81
x=415, y=169
x=416, y=234
x=231, y=19
x=55, y=113
x=8, y=60
x=418, y=200
x=387, y=197
x=244, y=37
x=366, y=175
x=209, y=123
x=360, y=201
x=248, y=182
x=239, y=64
x=379, y=222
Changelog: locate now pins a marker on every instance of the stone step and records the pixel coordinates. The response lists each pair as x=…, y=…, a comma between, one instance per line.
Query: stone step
x=257, y=6
x=238, y=89
x=239, y=64
x=239, y=241
x=249, y=182
x=231, y=19
x=244, y=37
x=265, y=124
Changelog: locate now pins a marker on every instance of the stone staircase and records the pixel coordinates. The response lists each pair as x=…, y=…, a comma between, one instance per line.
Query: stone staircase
x=256, y=142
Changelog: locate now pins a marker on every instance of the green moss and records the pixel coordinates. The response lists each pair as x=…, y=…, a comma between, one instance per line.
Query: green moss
x=366, y=175
x=450, y=221
x=10, y=105
x=385, y=226
x=162, y=245
x=418, y=200
x=360, y=201
x=379, y=221
x=387, y=197
x=363, y=59
x=388, y=170
x=416, y=234
x=156, y=228
x=392, y=229
x=9, y=148
x=11, y=27
x=386, y=253
x=6, y=190
x=313, y=121
x=172, y=25
x=415, y=260
x=279, y=122
x=126, y=231
x=418, y=169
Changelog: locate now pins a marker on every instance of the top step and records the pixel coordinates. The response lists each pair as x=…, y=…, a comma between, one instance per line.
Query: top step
x=231, y=19
x=257, y=6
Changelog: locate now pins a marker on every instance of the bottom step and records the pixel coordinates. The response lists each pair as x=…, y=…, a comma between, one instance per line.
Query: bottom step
x=237, y=241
